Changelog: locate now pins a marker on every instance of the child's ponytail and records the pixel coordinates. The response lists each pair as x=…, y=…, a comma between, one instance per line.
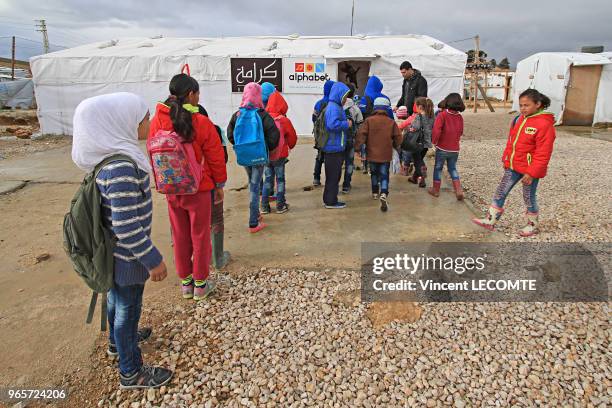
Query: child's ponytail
x=536, y=97
x=427, y=105
x=180, y=87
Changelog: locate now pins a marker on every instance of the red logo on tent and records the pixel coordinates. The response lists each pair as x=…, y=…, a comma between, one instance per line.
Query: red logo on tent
x=310, y=67
x=299, y=67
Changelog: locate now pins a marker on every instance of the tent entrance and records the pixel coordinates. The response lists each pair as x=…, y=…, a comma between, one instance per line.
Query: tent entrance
x=354, y=72
x=581, y=96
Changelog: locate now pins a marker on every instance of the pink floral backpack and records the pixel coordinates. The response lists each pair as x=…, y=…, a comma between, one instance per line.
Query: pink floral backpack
x=175, y=167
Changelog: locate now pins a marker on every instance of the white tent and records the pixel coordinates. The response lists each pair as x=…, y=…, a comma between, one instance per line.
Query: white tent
x=222, y=65
x=578, y=84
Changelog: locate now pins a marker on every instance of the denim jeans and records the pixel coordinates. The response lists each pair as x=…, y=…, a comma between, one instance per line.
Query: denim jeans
x=450, y=158
x=319, y=160
x=255, y=177
x=349, y=161
x=124, y=306
x=380, y=175
x=364, y=159
x=507, y=183
x=274, y=169
x=406, y=157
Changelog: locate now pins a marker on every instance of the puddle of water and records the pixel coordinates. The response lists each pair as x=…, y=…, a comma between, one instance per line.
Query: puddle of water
x=587, y=132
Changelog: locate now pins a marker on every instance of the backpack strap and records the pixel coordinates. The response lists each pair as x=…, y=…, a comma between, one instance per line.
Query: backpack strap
x=114, y=158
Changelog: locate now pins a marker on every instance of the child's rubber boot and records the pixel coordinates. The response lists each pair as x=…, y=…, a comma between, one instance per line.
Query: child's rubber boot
x=493, y=215
x=220, y=258
x=422, y=182
x=532, y=225
x=458, y=189
x=435, y=190
x=413, y=179
x=424, y=170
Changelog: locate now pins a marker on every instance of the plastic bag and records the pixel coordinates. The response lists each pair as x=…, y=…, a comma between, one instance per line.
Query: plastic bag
x=395, y=163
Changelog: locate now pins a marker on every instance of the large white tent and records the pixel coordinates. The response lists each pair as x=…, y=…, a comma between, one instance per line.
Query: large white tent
x=578, y=84
x=222, y=65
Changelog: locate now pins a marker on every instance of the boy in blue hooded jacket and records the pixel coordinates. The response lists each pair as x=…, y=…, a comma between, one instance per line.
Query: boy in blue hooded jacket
x=373, y=90
x=319, y=106
x=337, y=126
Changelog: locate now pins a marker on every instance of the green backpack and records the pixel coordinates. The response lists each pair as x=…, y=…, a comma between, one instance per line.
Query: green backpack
x=88, y=243
x=321, y=134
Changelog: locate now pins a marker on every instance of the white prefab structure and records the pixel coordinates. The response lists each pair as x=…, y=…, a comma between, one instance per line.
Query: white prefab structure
x=145, y=66
x=578, y=84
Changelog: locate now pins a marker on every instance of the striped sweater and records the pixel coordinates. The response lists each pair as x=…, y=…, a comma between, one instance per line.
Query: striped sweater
x=128, y=212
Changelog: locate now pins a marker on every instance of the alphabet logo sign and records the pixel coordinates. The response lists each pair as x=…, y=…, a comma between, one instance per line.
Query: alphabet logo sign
x=307, y=76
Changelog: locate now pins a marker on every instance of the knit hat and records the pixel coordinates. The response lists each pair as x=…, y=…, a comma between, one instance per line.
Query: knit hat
x=382, y=103
x=402, y=112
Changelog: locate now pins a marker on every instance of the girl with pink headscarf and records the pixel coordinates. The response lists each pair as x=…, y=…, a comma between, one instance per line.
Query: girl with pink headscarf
x=252, y=99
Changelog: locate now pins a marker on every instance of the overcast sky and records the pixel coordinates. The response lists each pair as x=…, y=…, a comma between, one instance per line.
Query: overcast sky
x=515, y=29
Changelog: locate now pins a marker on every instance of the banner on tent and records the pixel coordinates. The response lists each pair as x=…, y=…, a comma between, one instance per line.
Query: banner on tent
x=304, y=75
x=259, y=70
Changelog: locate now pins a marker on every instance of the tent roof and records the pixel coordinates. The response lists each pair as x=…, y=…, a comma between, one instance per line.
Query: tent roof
x=575, y=58
x=287, y=46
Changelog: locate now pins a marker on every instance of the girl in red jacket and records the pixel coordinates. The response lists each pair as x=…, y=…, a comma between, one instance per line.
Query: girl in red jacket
x=447, y=131
x=190, y=214
x=526, y=157
x=277, y=108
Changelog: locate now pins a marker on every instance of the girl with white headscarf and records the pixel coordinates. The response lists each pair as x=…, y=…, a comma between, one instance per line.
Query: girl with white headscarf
x=105, y=126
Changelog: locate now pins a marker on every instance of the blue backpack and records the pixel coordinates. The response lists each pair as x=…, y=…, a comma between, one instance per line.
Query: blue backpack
x=249, y=143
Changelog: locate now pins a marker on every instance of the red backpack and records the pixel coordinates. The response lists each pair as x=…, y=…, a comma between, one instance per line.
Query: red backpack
x=278, y=151
x=175, y=167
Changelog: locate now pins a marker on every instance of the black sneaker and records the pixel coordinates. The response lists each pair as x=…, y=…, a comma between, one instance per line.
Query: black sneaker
x=383, y=203
x=143, y=335
x=147, y=377
x=281, y=209
x=346, y=190
x=265, y=209
x=316, y=182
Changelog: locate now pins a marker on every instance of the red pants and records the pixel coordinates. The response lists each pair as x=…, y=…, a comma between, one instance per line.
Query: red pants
x=190, y=223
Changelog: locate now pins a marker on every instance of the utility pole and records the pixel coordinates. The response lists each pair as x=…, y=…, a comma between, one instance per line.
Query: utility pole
x=42, y=28
x=13, y=61
x=352, y=17
x=475, y=73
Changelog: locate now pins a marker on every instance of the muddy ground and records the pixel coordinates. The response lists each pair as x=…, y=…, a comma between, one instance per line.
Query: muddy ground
x=43, y=303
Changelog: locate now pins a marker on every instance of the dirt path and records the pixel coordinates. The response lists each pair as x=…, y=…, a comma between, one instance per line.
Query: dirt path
x=43, y=303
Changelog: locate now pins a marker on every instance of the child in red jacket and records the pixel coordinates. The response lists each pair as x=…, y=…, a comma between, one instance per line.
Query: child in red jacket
x=447, y=131
x=528, y=151
x=277, y=108
x=190, y=214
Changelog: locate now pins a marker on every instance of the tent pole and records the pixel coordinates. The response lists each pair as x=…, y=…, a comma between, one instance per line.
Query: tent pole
x=352, y=17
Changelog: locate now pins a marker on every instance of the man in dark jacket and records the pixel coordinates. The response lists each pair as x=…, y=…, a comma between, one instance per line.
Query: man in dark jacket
x=414, y=85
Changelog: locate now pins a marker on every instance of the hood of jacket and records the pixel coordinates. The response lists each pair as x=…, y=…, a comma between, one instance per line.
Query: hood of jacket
x=374, y=87
x=251, y=97
x=267, y=89
x=277, y=105
x=327, y=88
x=338, y=91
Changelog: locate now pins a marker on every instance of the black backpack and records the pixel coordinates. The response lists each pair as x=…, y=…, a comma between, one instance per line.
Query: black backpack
x=369, y=107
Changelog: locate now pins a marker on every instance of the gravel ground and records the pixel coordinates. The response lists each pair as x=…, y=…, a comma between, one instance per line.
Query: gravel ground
x=290, y=338
x=574, y=198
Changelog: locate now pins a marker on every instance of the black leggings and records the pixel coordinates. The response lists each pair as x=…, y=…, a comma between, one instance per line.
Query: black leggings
x=419, y=161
